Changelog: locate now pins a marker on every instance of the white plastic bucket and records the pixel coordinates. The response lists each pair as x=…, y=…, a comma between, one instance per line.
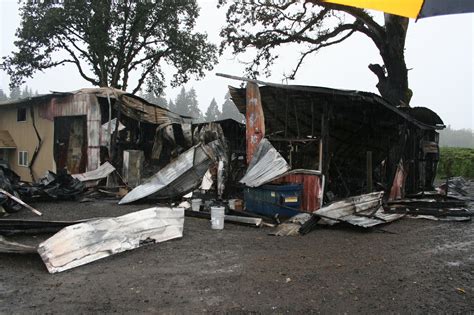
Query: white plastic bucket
x=196, y=204
x=217, y=218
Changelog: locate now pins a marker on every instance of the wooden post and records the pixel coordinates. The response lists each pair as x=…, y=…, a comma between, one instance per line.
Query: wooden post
x=325, y=140
x=369, y=172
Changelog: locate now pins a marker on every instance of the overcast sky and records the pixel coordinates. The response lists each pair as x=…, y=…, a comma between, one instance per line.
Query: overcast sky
x=439, y=51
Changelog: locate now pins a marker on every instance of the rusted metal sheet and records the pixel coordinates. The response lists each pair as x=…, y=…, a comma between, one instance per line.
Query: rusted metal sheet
x=255, y=119
x=311, y=181
x=398, y=191
x=266, y=165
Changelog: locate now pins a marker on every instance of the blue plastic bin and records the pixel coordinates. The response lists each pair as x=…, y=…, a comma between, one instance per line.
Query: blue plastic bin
x=268, y=200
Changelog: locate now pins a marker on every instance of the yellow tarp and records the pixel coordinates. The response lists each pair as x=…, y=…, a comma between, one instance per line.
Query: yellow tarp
x=408, y=8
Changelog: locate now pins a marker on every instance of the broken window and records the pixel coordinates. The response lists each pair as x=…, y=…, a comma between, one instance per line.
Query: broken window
x=21, y=114
x=23, y=158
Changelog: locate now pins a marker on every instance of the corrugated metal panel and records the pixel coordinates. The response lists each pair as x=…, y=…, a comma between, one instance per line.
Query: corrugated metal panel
x=176, y=178
x=266, y=165
x=311, y=187
x=364, y=211
x=101, y=172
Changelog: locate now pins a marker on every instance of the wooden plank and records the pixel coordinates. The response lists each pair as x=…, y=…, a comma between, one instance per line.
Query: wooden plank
x=83, y=243
x=369, y=172
x=18, y=200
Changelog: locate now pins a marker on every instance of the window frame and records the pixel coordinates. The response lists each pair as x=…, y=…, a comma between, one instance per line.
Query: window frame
x=18, y=114
x=23, y=157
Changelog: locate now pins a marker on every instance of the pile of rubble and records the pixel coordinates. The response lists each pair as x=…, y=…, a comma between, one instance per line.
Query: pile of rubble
x=298, y=173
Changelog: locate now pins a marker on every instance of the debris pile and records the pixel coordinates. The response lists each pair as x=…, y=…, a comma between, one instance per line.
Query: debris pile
x=338, y=158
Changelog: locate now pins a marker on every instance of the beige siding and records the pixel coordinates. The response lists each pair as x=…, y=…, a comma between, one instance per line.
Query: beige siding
x=25, y=138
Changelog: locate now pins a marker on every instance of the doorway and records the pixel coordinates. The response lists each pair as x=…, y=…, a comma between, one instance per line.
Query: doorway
x=70, y=143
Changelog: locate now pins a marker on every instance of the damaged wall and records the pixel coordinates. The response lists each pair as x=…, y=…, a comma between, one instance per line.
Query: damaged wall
x=45, y=109
x=24, y=135
x=78, y=105
x=363, y=137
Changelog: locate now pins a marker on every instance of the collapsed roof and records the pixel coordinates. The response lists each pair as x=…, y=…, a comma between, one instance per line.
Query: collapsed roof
x=131, y=105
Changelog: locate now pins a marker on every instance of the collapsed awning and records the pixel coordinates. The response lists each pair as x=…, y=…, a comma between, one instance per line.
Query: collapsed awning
x=6, y=140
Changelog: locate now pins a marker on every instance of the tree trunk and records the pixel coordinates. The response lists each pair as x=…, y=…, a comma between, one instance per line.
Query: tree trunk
x=393, y=76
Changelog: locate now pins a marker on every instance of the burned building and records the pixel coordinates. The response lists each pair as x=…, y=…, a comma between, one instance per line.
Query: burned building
x=71, y=130
x=341, y=143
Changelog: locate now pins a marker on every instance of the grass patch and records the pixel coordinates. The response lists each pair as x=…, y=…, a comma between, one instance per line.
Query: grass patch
x=456, y=162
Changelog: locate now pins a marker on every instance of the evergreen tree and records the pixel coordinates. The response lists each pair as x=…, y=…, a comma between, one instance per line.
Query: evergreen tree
x=152, y=98
x=181, y=103
x=15, y=93
x=212, y=112
x=230, y=111
x=186, y=104
x=172, y=106
x=27, y=92
x=3, y=96
x=193, y=105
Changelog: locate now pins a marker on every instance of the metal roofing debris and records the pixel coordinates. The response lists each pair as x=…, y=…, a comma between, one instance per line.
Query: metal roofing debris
x=130, y=105
x=266, y=164
x=18, y=226
x=101, y=172
x=6, y=140
x=83, y=243
x=276, y=96
x=10, y=247
x=364, y=210
x=178, y=177
x=292, y=226
x=234, y=219
x=105, y=133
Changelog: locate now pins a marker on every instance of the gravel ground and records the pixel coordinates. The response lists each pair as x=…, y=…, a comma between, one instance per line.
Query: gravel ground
x=411, y=266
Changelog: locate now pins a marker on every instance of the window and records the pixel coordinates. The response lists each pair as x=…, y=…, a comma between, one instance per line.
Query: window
x=21, y=114
x=23, y=158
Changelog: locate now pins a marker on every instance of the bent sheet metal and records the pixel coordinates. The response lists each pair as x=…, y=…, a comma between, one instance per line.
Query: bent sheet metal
x=92, y=178
x=364, y=211
x=266, y=164
x=86, y=242
x=178, y=177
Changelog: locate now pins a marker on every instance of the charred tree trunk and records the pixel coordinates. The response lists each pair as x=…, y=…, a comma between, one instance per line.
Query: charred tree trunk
x=393, y=75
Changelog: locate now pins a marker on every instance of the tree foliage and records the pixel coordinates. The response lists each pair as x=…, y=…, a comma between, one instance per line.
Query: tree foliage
x=107, y=39
x=186, y=104
x=212, y=113
x=456, y=162
x=230, y=111
x=3, y=96
x=154, y=99
x=268, y=24
x=460, y=138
